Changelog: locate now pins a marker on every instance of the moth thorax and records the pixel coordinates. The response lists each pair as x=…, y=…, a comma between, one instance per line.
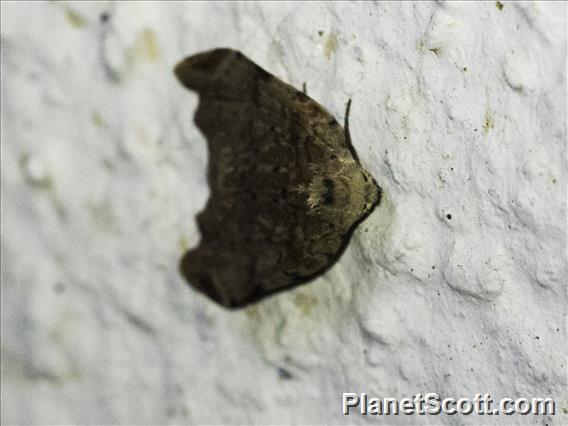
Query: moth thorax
x=327, y=191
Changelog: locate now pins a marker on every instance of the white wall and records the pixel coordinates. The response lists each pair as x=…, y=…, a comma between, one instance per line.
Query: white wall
x=458, y=109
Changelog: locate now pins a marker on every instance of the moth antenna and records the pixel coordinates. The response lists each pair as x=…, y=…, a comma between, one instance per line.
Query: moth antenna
x=347, y=132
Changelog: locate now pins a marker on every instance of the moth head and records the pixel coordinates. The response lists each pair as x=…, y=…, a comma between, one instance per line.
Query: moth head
x=358, y=192
x=373, y=192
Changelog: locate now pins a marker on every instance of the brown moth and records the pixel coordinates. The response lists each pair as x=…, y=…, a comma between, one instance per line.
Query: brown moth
x=286, y=186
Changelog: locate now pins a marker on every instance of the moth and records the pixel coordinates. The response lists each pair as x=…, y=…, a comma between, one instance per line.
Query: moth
x=286, y=186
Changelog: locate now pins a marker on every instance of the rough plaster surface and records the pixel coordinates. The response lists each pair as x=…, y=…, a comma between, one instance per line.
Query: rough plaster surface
x=456, y=284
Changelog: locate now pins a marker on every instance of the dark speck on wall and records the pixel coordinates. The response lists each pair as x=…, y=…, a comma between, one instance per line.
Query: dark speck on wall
x=284, y=374
x=449, y=216
x=104, y=17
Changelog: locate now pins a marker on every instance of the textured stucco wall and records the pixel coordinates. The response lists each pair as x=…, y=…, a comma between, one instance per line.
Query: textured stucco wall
x=458, y=111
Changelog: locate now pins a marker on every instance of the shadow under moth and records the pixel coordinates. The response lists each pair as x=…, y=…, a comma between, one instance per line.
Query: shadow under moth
x=286, y=186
